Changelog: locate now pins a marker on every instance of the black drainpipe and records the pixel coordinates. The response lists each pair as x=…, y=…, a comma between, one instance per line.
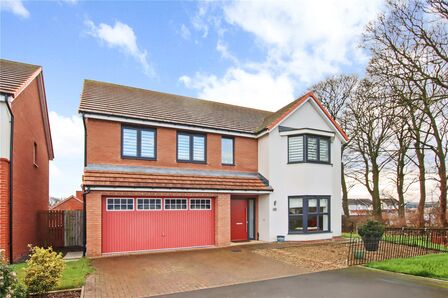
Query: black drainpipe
x=86, y=190
x=11, y=139
x=84, y=208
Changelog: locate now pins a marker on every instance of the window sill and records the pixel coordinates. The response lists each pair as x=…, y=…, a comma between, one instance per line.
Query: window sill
x=138, y=158
x=191, y=161
x=310, y=162
x=309, y=233
x=228, y=164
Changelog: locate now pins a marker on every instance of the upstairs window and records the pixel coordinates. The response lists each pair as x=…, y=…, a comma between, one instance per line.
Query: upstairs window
x=191, y=147
x=227, y=151
x=308, y=148
x=138, y=143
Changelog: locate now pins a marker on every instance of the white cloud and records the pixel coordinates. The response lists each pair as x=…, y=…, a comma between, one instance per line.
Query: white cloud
x=121, y=36
x=303, y=41
x=223, y=49
x=306, y=38
x=15, y=6
x=68, y=142
x=257, y=90
x=185, y=32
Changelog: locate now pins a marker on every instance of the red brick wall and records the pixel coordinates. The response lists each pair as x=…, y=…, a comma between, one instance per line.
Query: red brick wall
x=93, y=216
x=4, y=206
x=104, y=147
x=30, y=182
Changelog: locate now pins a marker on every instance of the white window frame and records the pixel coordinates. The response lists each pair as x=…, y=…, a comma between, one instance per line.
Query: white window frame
x=138, y=209
x=169, y=209
x=200, y=209
x=113, y=210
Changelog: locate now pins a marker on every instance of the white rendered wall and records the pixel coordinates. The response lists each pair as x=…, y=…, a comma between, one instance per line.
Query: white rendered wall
x=300, y=179
x=5, y=129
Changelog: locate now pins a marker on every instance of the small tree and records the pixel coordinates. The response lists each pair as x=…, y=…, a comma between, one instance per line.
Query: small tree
x=44, y=270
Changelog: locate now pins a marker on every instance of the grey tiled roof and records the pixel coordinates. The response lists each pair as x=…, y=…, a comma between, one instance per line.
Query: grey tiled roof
x=14, y=75
x=110, y=99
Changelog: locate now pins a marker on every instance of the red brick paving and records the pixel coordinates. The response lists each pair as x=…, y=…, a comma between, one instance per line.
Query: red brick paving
x=172, y=272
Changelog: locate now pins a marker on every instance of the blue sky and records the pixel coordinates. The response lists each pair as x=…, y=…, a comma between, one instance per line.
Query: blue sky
x=260, y=54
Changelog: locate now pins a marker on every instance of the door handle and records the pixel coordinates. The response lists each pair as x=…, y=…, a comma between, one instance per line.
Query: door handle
x=239, y=223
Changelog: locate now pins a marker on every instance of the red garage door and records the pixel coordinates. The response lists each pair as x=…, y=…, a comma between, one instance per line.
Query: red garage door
x=133, y=224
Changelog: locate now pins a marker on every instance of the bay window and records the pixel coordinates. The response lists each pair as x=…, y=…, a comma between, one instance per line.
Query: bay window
x=308, y=148
x=309, y=214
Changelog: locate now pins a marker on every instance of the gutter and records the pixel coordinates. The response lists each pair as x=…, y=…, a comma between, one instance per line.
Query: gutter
x=11, y=140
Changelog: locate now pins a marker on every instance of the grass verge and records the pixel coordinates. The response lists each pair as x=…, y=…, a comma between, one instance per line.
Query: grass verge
x=434, y=266
x=74, y=274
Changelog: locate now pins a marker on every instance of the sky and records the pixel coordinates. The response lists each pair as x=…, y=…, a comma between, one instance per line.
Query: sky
x=259, y=54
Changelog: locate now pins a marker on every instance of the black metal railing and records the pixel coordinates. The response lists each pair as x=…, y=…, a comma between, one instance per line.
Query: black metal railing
x=396, y=243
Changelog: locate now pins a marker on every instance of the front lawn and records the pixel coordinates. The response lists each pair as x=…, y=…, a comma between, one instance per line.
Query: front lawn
x=434, y=265
x=74, y=274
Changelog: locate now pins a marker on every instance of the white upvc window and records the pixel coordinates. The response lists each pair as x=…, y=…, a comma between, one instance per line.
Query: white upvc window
x=176, y=204
x=149, y=204
x=120, y=204
x=200, y=204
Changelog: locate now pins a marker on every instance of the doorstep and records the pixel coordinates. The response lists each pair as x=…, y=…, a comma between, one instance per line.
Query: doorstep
x=250, y=242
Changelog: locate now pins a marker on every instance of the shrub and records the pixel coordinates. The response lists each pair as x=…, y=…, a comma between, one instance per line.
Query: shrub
x=9, y=285
x=44, y=270
x=371, y=229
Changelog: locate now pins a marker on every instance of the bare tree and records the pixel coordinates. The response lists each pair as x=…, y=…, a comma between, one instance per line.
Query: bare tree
x=399, y=157
x=371, y=133
x=440, y=6
x=409, y=45
x=336, y=93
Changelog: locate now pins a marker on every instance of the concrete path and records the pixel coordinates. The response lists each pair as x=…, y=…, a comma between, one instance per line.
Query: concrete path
x=354, y=282
x=172, y=272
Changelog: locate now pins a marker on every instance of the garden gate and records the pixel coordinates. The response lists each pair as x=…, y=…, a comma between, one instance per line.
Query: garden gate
x=61, y=228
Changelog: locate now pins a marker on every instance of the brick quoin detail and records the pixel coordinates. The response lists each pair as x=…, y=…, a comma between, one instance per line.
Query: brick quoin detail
x=94, y=221
x=4, y=206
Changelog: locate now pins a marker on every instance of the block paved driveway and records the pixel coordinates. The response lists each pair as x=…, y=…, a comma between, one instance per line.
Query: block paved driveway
x=173, y=272
x=354, y=282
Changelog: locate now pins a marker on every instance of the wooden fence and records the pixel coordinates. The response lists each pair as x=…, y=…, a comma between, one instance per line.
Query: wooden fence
x=61, y=228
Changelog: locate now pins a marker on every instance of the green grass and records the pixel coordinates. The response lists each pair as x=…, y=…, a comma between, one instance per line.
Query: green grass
x=347, y=235
x=419, y=241
x=74, y=274
x=434, y=265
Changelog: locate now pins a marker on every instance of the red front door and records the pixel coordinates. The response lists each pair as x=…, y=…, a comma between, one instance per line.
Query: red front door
x=238, y=220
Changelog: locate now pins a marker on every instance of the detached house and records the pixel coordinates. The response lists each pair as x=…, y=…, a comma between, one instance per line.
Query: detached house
x=164, y=171
x=25, y=152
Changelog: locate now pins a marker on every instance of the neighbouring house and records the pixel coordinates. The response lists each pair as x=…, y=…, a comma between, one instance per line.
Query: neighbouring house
x=365, y=207
x=25, y=151
x=360, y=206
x=389, y=205
x=71, y=203
x=164, y=171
